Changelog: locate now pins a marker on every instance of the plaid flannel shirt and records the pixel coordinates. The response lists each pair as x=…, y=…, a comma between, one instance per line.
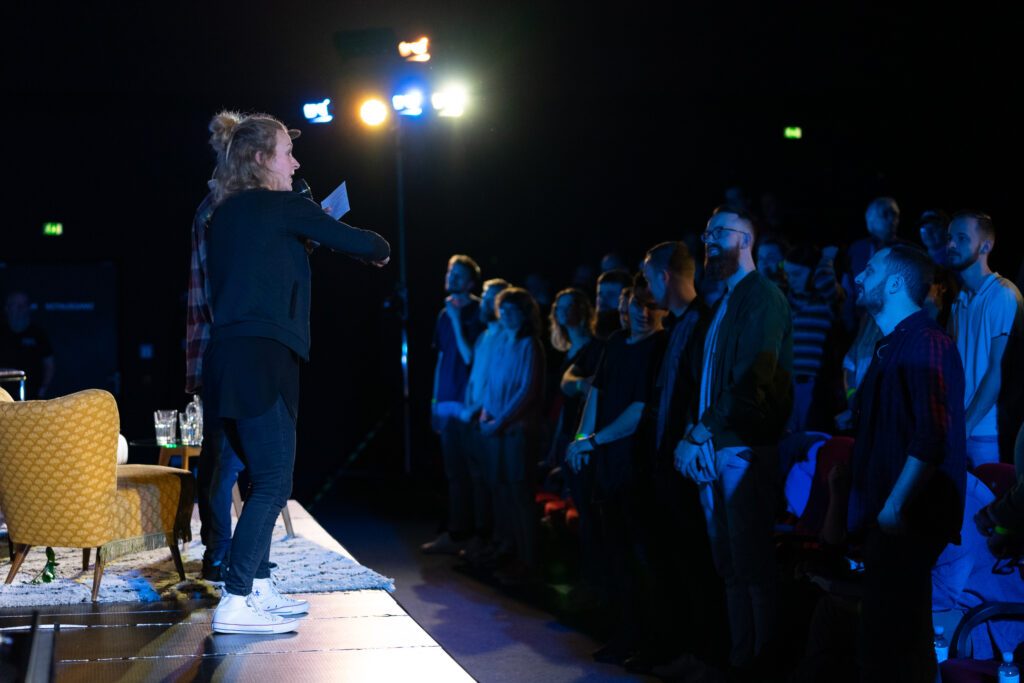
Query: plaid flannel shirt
x=199, y=316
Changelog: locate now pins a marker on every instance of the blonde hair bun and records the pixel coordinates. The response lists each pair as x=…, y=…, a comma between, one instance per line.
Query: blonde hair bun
x=222, y=126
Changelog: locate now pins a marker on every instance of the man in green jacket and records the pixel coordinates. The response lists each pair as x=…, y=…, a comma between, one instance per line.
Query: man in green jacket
x=744, y=399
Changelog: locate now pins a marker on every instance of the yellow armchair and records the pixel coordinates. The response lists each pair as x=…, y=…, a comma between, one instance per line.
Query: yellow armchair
x=60, y=485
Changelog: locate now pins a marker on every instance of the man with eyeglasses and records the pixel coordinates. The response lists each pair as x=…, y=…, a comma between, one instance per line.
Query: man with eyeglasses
x=744, y=399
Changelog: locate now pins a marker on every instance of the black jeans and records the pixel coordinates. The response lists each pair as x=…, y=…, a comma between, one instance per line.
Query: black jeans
x=218, y=471
x=266, y=445
x=896, y=614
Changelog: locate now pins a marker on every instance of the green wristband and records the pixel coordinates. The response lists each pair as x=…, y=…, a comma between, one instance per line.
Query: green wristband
x=1002, y=530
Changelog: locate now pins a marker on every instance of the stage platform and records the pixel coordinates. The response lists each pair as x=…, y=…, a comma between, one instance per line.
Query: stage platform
x=348, y=636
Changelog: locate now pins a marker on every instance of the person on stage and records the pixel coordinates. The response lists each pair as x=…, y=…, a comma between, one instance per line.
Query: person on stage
x=259, y=285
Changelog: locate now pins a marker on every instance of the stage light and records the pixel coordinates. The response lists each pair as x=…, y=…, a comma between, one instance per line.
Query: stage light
x=318, y=112
x=793, y=132
x=373, y=112
x=53, y=229
x=409, y=103
x=451, y=101
x=415, y=51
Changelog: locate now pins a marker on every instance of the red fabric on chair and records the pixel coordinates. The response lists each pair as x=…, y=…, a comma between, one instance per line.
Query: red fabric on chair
x=837, y=450
x=998, y=476
x=969, y=671
x=572, y=520
x=545, y=497
x=553, y=506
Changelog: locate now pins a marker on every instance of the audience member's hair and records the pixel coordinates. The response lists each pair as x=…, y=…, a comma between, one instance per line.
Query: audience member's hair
x=776, y=240
x=527, y=305
x=933, y=217
x=743, y=215
x=467, y=262
x=804, y=255
x=496, y=282
x=673, y=257
x=986, y=228
x=583, y=313
x=640, y=283
x=915, y=267
x=618, y=277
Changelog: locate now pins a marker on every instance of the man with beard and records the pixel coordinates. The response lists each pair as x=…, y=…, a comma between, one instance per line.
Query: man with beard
x=984, y=317
x=908, y=483
x=458, y=326
x=744, y=399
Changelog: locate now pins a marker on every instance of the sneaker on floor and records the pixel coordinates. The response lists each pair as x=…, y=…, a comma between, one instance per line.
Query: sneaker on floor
x=269, y=599
x=241, y=614
x=442, y=545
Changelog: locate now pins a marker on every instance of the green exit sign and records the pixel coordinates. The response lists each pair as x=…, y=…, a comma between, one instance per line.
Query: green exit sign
x=53, y=229
x=793, y=132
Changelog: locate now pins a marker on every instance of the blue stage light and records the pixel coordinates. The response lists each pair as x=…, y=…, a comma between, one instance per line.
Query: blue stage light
x=318, y=112
x=409, y=103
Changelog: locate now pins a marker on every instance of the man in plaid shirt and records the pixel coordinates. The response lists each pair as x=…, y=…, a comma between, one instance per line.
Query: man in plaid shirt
x=219, y=466
x=908, y=466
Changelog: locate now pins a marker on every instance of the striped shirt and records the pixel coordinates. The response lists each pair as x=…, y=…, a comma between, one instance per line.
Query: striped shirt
x=813, y=318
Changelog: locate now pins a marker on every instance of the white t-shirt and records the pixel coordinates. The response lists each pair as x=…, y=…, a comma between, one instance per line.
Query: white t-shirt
x=975, y=321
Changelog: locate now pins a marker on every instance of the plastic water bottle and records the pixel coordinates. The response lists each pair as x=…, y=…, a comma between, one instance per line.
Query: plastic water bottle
x=941, y=645
x=1008, y=672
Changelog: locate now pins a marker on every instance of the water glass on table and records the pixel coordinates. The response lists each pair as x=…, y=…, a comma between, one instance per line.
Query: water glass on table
x=165, y=423
x=190, y=432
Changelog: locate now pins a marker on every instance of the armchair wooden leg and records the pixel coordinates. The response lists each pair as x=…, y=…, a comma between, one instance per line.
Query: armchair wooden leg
x=85, y=558
x=97, y=574
x=236, y=500
x=176, y=555
x=287, y=521
x=20, y=551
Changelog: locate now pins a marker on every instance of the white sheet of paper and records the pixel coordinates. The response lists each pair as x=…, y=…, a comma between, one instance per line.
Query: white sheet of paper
x=336, y=203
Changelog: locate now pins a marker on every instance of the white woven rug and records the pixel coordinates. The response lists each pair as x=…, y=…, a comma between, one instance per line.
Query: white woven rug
x=303, y=567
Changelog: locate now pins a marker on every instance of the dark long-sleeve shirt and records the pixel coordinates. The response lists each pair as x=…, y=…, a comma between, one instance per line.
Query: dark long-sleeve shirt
x=751, y=383
x=911, y=403
x=258, y=268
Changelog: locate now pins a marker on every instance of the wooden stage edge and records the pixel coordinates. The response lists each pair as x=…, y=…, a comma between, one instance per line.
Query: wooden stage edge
x=348, y=636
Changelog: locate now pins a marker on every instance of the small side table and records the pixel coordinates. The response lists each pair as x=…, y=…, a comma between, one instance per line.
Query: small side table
x=187, y=453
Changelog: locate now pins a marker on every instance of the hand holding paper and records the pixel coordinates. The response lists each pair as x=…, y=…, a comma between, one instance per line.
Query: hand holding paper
x=336, y=204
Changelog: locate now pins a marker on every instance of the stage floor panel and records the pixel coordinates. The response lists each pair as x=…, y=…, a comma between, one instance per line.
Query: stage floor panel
x=351, y=636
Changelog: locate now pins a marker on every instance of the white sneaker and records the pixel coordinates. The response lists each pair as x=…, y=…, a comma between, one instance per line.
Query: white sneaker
x=242, y=614
x=269, y=599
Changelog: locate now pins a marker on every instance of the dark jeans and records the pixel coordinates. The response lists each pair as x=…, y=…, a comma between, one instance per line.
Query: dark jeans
x=456, y=445
x=509, y=469
x=690, y=613
x=266, y=446
x=218, y=471
x=472, y=443
x=896, y=618
x=624, y=567
x=592, y=549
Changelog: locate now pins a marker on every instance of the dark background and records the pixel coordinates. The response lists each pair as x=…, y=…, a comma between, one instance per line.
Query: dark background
x=591, y=127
